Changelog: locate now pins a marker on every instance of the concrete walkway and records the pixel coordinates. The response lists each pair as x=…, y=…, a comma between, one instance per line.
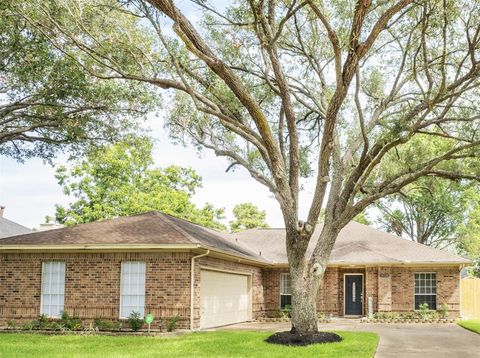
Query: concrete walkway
x=399, y=340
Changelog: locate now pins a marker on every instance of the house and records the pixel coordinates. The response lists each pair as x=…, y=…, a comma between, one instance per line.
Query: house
x=157, y=263
x=9, y=227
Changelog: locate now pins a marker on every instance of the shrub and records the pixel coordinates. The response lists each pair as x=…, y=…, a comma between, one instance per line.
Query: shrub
x=424, y=312
x=171, y=323
x=443, y=310
x=135, y=321
x=71, y=323
x=11, y=324
x=409, y=315
x=41, y=322
x=105, y=325
x=28, y=326
x=286, y=311
x=275, y=314
x=56, y=326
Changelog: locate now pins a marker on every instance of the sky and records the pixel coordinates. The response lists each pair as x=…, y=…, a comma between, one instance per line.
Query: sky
x=29, y=190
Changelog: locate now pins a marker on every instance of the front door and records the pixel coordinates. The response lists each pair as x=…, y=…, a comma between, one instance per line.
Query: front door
x=353, y=294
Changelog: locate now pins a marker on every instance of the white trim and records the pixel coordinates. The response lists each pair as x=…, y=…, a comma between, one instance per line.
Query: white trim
x=249, y=276
x=280, y=286
x=192, y=284
x=344, y=291
x=436, y=296
x=144, y=292
x=42, y=282
x=249, y=284
x=208, y=268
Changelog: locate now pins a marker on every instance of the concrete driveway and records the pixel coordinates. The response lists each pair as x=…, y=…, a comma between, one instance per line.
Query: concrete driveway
x=400, y=340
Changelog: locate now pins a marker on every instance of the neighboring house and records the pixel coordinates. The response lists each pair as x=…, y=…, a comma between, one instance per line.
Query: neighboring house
x=157, y=263
x=9, y=227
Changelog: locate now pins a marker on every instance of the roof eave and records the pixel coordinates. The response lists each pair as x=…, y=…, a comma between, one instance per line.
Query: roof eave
x=215, y=252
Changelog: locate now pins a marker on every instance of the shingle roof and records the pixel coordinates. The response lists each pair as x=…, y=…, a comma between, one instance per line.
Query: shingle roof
x=151, y=228
x=11, y=228
x=356, y=244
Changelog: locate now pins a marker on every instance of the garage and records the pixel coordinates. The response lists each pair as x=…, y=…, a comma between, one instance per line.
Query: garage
x=224, y=298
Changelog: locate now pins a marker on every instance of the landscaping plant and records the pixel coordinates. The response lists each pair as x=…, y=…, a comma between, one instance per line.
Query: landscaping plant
x=423, y=311
x=135, y=321
x=443, y=310
x=71, y=323
x=171, y=323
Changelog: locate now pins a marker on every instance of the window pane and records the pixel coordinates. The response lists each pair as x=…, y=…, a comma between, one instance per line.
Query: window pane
x=53, y=288
x=285, y=284
x=425, y=290
x=132, y=288
x=285, y=300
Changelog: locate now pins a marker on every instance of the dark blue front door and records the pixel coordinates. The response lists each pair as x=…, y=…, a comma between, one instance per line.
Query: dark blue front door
x=353, y=294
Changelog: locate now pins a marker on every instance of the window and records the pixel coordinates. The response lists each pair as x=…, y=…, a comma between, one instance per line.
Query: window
x=53, y=288
x=426, y=290
x=285, y=290
x=132, y=288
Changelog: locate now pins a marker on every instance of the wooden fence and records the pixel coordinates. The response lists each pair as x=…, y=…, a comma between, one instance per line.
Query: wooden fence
x=470, y=297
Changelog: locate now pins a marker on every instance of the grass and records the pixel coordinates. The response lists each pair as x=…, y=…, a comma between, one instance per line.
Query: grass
x=201, y=344
x=470, y=324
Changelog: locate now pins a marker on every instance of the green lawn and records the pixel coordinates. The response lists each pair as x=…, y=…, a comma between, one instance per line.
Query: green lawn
x=202, y=344
x=471, y=324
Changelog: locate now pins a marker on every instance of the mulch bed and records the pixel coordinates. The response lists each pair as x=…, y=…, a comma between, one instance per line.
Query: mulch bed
x=294, y=339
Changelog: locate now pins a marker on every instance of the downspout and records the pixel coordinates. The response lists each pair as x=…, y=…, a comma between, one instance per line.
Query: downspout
x=192, y=284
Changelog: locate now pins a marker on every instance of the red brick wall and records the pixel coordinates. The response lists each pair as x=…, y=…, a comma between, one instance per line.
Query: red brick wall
x=392, y=288
x=403, y=288
x=92, y=284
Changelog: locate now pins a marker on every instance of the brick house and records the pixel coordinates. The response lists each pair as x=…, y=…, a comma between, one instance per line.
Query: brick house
x=157, y=263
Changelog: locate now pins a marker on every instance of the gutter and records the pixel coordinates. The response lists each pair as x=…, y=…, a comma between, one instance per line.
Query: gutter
x=192, y=284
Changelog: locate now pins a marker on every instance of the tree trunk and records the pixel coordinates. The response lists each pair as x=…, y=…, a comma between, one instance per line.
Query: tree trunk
x=306, y=274
x=304, y=302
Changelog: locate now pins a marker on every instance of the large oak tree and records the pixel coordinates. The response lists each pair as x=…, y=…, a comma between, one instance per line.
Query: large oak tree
x=292, y=89
x=48, y=103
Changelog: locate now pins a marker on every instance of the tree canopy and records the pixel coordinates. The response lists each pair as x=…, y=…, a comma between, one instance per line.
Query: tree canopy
x=48, y=102
x=248, y=216
x=121, y=179
x=430, y=211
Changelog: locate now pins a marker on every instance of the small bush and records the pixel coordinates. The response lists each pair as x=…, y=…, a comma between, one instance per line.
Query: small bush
x=105, y=325
x=56, y=326
x=71, y=323
x=171, y=323
x=443, y=311
x=11, y=324
x=90, y=330
x=28, y=326
x=135, y=321
x=424, y=311
x=275, y=314
x=41, y=322
x=286, y=311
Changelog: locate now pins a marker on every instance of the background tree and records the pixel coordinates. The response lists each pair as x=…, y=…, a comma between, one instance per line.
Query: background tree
x=429, y=211
x=288, y=89
x=120, y=180
x=468, y=235
x=49, y=103
x=248, y=216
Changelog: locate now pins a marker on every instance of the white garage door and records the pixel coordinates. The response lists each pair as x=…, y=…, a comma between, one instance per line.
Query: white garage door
x=224, y=299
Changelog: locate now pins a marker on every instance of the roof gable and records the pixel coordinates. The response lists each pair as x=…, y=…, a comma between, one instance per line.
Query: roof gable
x=11, y=228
